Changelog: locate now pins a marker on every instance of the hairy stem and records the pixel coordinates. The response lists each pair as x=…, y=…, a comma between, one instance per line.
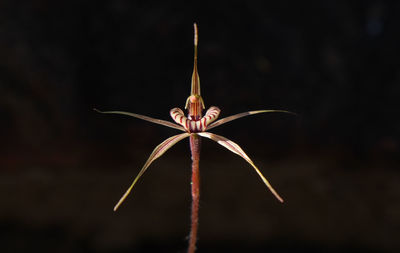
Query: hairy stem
x=195, y=150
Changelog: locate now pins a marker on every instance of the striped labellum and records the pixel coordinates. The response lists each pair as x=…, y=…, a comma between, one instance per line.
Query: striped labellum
x=195, y=126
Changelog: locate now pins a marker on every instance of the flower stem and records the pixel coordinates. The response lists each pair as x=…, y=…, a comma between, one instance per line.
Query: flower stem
x=195, y=142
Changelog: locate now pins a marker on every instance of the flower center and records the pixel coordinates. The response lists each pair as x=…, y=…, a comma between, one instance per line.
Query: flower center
x=195, y=126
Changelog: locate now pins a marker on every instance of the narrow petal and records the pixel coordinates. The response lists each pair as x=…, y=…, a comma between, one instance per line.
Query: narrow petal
x=232, y=146
x=243, y=114
x=157, y=152
x=153, y=120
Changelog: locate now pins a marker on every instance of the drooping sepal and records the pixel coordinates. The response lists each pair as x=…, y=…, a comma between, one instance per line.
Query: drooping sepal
x=235, y=148
x=157, y=152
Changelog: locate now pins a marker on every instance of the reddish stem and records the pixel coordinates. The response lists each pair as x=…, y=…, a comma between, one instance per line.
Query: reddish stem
x=195, y=149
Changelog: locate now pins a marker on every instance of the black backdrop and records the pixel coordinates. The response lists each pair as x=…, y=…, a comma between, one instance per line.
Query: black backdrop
x=63, y=166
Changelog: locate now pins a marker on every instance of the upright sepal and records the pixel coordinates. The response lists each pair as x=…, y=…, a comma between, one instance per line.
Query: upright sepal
x=195, y=103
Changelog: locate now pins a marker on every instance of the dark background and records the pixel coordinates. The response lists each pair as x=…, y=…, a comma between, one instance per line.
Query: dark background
x=63, y=166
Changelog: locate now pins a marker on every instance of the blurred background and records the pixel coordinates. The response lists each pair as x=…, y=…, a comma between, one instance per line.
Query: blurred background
x=63, y=166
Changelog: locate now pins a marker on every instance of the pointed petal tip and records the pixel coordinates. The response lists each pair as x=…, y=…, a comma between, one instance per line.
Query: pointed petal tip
x=119, y=202
x=279, y=198
x=117, y=205
x=122, y=199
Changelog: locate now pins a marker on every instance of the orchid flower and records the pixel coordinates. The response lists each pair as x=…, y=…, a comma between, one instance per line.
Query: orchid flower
x=194, y=126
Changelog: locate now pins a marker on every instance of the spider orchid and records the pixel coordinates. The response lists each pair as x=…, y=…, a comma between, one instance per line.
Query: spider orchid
x=194, y=126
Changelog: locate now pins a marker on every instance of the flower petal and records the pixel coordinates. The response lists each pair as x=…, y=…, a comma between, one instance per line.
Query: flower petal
x=211, y=115
x=153, y=120
x=157, y=152
x=179, y=117
x=243, y=114
x=232, y=146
